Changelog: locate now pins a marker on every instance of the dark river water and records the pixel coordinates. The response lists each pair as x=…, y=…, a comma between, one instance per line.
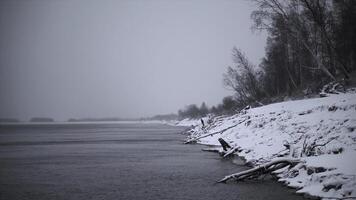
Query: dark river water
x=117, y=161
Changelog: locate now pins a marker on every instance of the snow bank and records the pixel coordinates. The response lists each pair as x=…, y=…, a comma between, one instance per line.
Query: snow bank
x=322, y=132
x=189, y=122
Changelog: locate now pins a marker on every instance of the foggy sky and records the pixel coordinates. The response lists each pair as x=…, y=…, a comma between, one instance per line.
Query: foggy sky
x=86, y=58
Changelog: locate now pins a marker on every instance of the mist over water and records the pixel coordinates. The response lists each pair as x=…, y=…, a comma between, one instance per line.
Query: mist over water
x=87, y=58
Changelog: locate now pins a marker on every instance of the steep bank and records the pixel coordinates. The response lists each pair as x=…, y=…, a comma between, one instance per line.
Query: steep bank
x=322, y=132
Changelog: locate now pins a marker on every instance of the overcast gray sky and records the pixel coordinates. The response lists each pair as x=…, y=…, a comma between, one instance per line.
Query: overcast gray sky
x=98, y=58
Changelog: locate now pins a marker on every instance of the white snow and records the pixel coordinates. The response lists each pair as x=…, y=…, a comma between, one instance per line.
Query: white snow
x=329, y=124
x=188, y=122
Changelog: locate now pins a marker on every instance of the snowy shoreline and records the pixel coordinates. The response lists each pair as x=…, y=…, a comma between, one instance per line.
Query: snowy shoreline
x=321, y=130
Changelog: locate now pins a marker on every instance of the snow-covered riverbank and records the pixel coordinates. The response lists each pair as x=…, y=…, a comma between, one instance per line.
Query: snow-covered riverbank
x=322, y=132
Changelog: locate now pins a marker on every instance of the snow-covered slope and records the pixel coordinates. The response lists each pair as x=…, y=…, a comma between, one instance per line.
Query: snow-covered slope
x=322, y=132
x=190, y=122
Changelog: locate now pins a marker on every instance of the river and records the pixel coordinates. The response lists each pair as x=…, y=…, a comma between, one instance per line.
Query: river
x=118, y=161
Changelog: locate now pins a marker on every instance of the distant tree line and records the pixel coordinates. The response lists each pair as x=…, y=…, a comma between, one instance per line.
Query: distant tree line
x=193, y=111
x=228, y=106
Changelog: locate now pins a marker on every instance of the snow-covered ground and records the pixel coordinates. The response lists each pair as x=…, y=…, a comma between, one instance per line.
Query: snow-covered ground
x=321, y=132
x=189, y=122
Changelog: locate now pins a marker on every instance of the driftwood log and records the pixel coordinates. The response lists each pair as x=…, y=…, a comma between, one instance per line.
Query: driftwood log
x=227, y=149
x=224, y=144
x=262, y=169
x=231, y=151
x=214, y=133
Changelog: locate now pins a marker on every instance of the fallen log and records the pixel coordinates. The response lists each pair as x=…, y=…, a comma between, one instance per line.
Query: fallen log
x=262, y=169
x=224, y=144
x=231, y=151
x=214, y=133
x=226, y=148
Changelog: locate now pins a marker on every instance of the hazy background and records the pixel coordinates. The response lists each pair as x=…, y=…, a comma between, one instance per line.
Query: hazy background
x=85, y=58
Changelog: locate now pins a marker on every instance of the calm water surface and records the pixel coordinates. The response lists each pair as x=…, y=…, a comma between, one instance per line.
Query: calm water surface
x=117, y=161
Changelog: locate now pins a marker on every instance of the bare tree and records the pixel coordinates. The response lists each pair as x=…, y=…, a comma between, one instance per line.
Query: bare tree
x=243, y=79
